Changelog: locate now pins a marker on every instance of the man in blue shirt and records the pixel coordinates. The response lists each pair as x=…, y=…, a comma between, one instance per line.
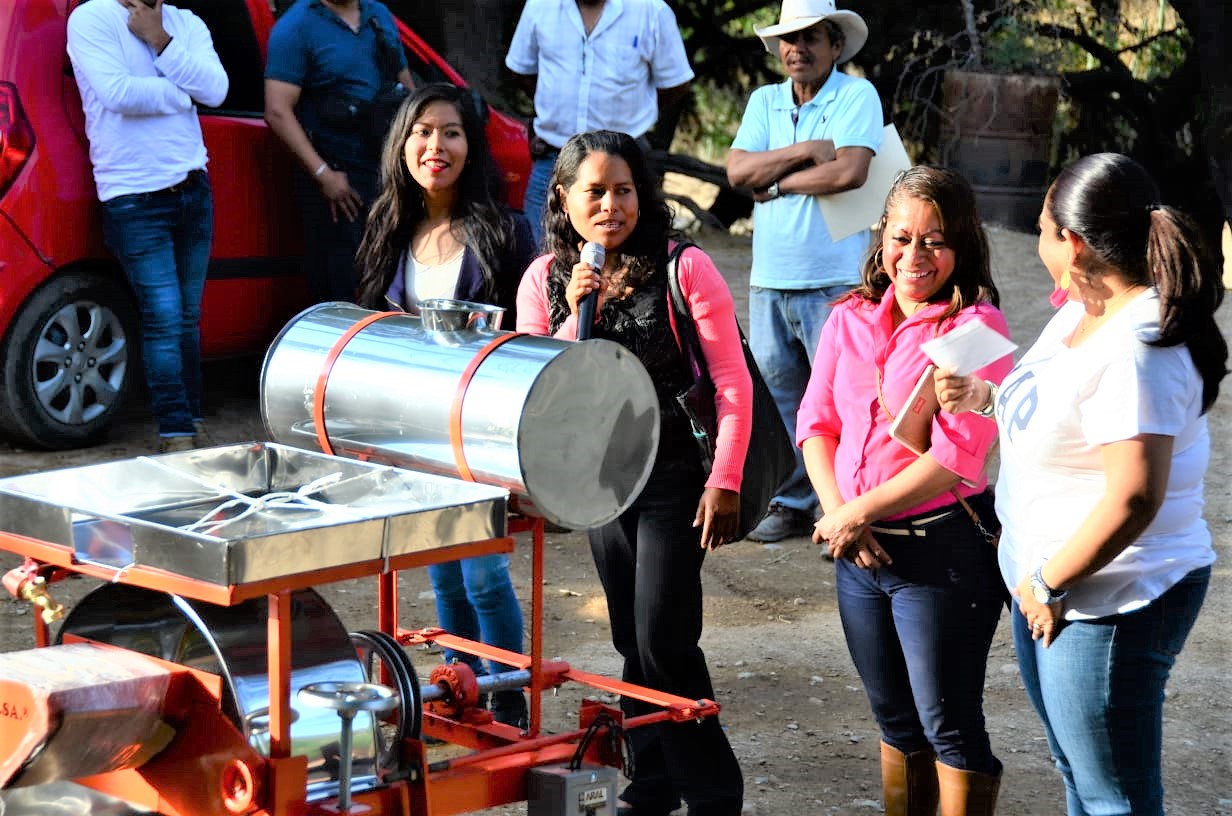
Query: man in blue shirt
x=812, y=135
x=334, y=72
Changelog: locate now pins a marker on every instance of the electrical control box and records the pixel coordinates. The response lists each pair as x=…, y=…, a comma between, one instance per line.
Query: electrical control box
x=557, y=790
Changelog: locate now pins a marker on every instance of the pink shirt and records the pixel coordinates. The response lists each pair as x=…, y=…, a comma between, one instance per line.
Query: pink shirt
x=714, y=312
x=859, y=339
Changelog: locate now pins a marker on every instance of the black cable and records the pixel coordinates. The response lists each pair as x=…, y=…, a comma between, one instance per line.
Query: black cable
x=618, y=742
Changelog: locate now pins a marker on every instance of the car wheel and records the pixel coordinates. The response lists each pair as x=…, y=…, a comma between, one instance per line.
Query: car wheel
x=68, y=362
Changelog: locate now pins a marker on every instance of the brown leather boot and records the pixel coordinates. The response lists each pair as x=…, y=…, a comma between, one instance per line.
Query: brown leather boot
x=967, y=793
x=908, y=782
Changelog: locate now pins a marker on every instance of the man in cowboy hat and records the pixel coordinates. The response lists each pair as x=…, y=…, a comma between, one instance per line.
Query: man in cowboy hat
x=811, y=135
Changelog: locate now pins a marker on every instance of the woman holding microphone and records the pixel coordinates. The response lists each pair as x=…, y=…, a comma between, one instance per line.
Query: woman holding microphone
x=649, y=559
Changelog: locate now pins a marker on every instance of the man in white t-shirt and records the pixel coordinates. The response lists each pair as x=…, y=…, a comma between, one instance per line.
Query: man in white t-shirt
x=142, y=70
x=593, y=65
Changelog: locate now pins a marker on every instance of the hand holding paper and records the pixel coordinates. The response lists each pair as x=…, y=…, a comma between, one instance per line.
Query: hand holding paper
x=967, y=348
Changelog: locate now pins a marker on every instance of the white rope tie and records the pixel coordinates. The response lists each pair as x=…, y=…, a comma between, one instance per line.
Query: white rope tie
x=296, y=500
x=277, y=500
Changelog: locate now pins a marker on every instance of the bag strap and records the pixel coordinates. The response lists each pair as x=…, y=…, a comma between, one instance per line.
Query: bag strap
x=387, y=61
x=989, y=536
x=682, y=318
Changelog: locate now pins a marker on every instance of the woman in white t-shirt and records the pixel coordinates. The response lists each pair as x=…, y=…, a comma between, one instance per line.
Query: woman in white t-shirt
x=437, y=229
x=1103, y=449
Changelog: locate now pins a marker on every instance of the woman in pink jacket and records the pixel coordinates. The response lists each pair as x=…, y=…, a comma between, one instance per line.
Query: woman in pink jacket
x=917, y=581
x=649, y=559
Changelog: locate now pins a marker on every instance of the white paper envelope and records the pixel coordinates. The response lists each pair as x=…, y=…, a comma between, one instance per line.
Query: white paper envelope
x=849, y=212
x=971, y=346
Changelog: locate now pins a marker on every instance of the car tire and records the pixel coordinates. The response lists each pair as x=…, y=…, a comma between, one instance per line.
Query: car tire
x=68, y=362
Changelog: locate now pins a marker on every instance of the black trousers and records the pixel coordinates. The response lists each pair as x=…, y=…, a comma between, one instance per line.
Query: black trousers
x=329, y=245
x=650, y=563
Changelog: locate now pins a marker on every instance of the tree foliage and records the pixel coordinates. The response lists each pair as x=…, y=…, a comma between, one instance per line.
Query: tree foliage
x=1159, y=93
x=1174, y=115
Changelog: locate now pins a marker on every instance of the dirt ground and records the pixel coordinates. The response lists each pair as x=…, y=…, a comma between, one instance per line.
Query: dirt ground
x=792, y=704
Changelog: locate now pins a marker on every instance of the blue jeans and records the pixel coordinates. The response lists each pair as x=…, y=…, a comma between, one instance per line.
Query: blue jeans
x=919, y=632
x=475, y=600
x=162, y=240
x=784, y=325
x=1099, y=688
x=535, y=203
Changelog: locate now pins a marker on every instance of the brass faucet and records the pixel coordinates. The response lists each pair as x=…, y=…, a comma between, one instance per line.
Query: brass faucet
x=35, y=591
x=26, y=586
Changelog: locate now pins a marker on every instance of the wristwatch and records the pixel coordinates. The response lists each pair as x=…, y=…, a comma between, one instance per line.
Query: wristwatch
x=1041, y=591
x=773, y=190
x=989, y=410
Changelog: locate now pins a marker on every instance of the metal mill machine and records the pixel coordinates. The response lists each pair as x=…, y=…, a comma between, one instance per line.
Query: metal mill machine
x=206, y=676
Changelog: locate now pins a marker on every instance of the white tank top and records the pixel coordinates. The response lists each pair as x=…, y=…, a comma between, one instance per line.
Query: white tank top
x=436, y=281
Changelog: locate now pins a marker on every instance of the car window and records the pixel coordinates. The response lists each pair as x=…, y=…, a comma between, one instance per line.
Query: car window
x=237, y=47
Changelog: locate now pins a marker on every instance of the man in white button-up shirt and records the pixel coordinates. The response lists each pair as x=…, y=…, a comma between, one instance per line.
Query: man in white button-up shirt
x=593, y=65
x=142, y=69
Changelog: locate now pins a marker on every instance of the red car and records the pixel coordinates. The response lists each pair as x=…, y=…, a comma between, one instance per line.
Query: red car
x=68, y=325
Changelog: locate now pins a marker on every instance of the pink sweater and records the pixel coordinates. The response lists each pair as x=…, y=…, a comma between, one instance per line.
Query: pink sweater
x=710, y=303
x=841, y=402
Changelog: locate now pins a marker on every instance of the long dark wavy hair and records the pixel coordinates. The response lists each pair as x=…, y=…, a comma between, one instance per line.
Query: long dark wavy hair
x=646, y=247
x=479, y=220
x=1112, y=203
x=952, y=197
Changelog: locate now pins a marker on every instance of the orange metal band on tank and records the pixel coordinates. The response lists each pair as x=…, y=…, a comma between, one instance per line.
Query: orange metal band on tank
x=318, y=395
x=455, y=409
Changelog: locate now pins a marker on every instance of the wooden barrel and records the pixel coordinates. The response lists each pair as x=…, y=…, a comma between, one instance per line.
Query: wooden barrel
x=997, y=131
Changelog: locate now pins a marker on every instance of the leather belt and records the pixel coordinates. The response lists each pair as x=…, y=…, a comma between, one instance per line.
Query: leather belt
x=912, y=527
x=180, y=185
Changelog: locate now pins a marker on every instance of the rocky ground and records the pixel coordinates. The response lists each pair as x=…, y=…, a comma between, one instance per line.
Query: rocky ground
x=792, y=703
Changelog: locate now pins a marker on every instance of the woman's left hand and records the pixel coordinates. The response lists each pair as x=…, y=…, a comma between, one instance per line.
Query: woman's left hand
x=839, y=530
x=1045, y=620
x=957, y=394
x=718, y=513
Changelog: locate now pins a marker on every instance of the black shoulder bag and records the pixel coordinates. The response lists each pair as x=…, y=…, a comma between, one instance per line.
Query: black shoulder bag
x=771, y=457
x=349, y=125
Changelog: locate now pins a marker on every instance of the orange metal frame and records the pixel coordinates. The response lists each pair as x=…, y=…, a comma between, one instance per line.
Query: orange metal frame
x=494, y=774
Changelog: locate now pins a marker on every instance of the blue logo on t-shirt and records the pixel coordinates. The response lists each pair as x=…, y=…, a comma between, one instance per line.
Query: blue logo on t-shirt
x=1015, y=410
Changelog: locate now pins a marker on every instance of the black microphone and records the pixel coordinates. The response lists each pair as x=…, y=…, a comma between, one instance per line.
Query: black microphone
x=593, y=255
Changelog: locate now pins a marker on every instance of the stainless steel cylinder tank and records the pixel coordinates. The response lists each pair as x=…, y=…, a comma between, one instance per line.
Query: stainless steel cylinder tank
x=570, y=429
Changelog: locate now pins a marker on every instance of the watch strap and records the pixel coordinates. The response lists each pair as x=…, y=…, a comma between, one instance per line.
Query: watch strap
x=1054, y=595
x=989, y=409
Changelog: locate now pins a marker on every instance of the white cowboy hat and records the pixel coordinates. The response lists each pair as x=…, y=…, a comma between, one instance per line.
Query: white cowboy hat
x=798, y=15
